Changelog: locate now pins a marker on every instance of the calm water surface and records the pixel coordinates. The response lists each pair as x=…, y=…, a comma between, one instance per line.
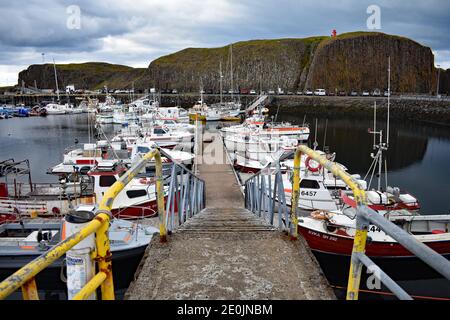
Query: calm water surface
x=418, y=159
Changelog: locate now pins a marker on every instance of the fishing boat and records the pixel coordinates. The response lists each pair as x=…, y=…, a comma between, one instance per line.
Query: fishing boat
x=55, y=109
x=137, y=199
x=104, y=118
x=161, y=135
x=19, y=195
x=23, y=241
x=258, y=147
x=38, y=111
x=257, y=126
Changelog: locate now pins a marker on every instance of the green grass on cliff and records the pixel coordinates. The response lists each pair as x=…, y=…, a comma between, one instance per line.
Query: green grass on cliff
x=358, y=34
x=92, y=67
x=260, y=47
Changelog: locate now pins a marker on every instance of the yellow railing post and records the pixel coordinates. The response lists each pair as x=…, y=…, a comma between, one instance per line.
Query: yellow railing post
x=160, y=199
x=295, y=194
x=354, y=276
x=359, y=242
x=24, y=277
x=29, y=290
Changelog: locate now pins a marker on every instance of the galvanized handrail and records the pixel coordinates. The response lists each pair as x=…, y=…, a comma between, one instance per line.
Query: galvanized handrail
x=25, y=277
x=364, y=216
x=186, y=196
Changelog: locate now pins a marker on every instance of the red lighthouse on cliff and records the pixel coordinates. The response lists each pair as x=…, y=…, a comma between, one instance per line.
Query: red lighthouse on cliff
x=333, y=33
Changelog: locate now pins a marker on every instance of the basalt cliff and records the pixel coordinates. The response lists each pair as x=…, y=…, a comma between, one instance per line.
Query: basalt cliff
x=351, y=61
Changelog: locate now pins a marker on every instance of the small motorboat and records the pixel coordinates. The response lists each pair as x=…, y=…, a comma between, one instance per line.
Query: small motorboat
x=21, y=242
x=38, y=111
x=55, y=109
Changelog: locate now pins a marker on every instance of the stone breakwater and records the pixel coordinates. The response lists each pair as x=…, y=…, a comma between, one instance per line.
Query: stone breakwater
x=408, y=109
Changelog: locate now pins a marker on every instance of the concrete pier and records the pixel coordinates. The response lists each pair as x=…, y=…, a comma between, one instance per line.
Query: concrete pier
x=226, y=252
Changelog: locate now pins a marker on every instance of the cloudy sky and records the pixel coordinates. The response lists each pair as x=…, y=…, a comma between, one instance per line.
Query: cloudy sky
x=136, y=32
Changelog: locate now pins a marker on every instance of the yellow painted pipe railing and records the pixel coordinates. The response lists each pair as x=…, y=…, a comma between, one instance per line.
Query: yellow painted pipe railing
x=25, y=277
x=359, y=242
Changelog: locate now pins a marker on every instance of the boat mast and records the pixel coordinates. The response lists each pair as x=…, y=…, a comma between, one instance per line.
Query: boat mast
x=231, y=72
x=220, y=71
x=388, y=99
x=56, y=79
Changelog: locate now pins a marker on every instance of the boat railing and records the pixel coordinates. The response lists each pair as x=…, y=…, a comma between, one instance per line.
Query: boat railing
x=190, y=195
x=260, y=197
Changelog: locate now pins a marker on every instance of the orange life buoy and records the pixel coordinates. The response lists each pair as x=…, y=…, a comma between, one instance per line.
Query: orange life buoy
x=310, y=167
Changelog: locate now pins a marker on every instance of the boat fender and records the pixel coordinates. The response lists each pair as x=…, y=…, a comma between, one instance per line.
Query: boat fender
x=310, y=167
x=56, y=211
x=146, y=180
x=319, y=215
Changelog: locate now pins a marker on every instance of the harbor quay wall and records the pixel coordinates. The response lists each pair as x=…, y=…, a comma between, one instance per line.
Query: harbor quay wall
x=432, y=111
x=411, y=108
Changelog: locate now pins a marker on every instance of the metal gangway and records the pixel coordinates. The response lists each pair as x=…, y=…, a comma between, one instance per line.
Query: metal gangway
x=256, y=103
x=198, y=243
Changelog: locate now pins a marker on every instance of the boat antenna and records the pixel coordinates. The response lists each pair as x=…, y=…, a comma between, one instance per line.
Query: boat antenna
x=304, y=120
x=231, y=72
x=325, y=135
x=388, y=100
x=276, y=115
x=315, y=144
x=221, y=76
x=56, y=79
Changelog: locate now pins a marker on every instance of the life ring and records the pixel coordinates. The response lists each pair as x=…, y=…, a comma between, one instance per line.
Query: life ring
x=310, y=167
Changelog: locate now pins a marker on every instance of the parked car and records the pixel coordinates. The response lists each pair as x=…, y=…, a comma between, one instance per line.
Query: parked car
x=271, y=91
x=320, y=92
x=365, y=93
x=174, y=91
x=386, y=93
x=230, y=91
x=245, y=91
x=376, y=93
x=252, y=91
x=354, y=93
x=331, y=93
x=342, y=93
x=309, y=92
x=299, y=93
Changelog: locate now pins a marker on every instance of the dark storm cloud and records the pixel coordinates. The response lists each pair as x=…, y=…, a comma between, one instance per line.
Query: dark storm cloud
x=135, y=32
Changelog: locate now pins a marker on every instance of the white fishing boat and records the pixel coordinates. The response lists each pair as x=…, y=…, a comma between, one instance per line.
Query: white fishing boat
x=55, y=109
x=257, y=126
x=256, y=147
x=104, y=118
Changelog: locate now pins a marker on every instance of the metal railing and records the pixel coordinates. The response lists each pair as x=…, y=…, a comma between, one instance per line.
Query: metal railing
x=186, y=196
x=257, y=196
x=190, y=187
x=265, y=196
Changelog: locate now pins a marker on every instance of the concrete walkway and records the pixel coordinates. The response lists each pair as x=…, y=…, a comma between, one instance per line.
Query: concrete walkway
x=229, y=254
x=226, y=252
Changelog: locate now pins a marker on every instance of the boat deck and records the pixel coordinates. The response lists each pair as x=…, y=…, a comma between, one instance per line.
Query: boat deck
x=226, y=252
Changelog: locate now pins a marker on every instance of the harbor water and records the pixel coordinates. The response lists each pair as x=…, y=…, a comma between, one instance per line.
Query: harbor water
x=417, y=159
